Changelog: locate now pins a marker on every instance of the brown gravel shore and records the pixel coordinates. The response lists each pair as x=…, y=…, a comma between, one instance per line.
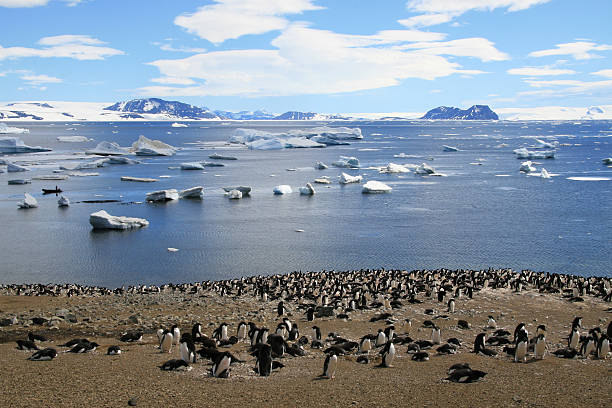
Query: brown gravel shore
x=97, y=380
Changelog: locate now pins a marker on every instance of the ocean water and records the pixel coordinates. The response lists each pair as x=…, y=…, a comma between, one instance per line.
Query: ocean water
x=487, y=215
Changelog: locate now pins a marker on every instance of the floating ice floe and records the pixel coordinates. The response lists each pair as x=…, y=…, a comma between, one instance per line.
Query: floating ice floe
x=546, y=145
x=121, y=160
x=234, y=194
x=73, y=139
x=245, y=190
x=63, y=202
x=374, y=187
x=320, y=166
x=19, y=182
x=217, y=156
x=282, y=189
x=526, y=167
x=267, y=144
x=162, y=195
x=172, y=249
x=138, y=179
x=14, y=145
x=5, y=129
x=347, y=162
x=307, y=190
x=298, y=138
x=446, y=148
x=192, y=166
x=82, y=174
x=86, y=165
x=108, y=149
x=424, y=168
x=589, y=178
x=179, y=125
x=28, y=202
x=103, y=220
x=14, y=168
x=523, y=153
x=394, y=168
x=148, y=147
x=544, y=173
x=322, y=181
x=193, y=192
x=212, y=164
x=51, y=177
x=347, y=179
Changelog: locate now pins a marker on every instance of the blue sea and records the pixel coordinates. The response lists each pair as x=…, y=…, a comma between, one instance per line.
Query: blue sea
x=484, y=213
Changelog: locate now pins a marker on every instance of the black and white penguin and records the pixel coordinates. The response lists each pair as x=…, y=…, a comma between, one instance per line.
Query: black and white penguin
x=287, y=323
x=479, y=346
x=262, y=336
x=441, y=294
x=173, y=365
x=280, y=309
x=447, y=349
x=310, y=314
x=254, y=335
x=74, y=342
x=420, y=356
x=294, y=333
x=187, y=348
x=436, y=335
x=43, y=355
x=609, y=330
x=365, y=345
x=263, y=364
x=520, y=328
x=451, y=305
x=388, y=354
x=196, y=331
x=282, y=330
x=160, y=334
x=26, y=345
x=573, y=338
x=165, y=344
x=131, y=337
x=381, y=338
x=84, y=347
x=540, y=347
x=588, y=346
x=278, y=345
x=220, y=332
x=463, y=324
x=316, y=333
x=241, y=332
x=329, y=366
x=390, y=332
x=466, y=375
x=458, y=366
x=603, y=347
x=221, y=366
x=520, y=354
x=491, y=323
x=36, y=337
x=176, y=334
x=113, y=351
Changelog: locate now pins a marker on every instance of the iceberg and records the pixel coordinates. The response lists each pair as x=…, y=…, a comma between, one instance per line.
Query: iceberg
x=234, y=194
x=282, y=189
x=347, y=162
x=28, y=202
x=544, y=173
x=267, y=144
x=73, y=139
x=322, y=181
x=297, y=138
x=108, y=149
x=179, y=125
x=148, y=147
x=14, y=145
x=192, y=166
x=63, y=202
x=138, y=179
x=51, y=177
x=5, y=129
x=13, y=168
x=301, y=143
x=121, y=160
x=193, y=192
x=103, y=220
x=446, y=148
x=320, y=166
x=523, y=153
x=526, y=167
x=217, y=156
x=245, y=190
x=87, y=165
x=374, y=187
x=19, y=182
x=424, y=168
x=393, y=168
x=347, y=179
x=546, y=145
x=307, y=190
x=163, y=195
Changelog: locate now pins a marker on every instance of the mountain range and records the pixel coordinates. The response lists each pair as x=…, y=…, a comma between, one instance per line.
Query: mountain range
x=476, y=112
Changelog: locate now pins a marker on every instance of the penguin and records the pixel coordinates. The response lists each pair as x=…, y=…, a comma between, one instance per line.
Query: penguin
x=609, y=330
x=491, y=323
x=254, y=334
x=294, y=333
x=84, y=347
x=74, y=342
x=363, y=360
x=281, y=330
x=381, y=338
x=278, y=345
x=262, y=336
x=316, y=333
x=390, y=332
x=310, y=314
x=540, y=347
x=577, y=322
x=479, y=346
x=441, y=294
x=280, y=309
x=221, y=333
x=365, y=345
x=287, y=323
x=458, y=366
x=241, y=333
x=603, y=347
x=221, y=366
x=520, y=328
x=329, y=366
x=388, y=354
x=463, y=324
x=113, y=351
x=196, y=331
x=165, y=344
x=26, y=345
x=172, y=365
x=264, y=360
x=447, y=349
x=36, y=337
x=176, y=334
x=435, y=335
x=187, y=349
x=451, y=305
x=573, y=338
x=565, y=353
x=420, y=356
x=131, y=337
x=466, y=375
x=43, y=355
x=160, y=334
x=588, y=346
x=520, y=354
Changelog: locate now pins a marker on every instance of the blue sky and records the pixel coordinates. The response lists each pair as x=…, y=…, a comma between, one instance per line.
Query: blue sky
x=309, y=55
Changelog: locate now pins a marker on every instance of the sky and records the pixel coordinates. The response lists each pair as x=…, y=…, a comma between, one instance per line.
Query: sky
x=332, y=56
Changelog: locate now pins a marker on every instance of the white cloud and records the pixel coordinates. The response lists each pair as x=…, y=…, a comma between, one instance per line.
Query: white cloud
x=580, y=50
x=426, y=20
x=229, y=19
x=604, y=72
x=539, y=71
x=22, y=3
x=171, y=48
x=41, y=79
x=80, y=47
x=311, y=61
x=173, y=81
x=567, y=87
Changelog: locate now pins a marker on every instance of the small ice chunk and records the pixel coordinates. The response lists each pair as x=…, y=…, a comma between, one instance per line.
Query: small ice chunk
x=307, y=190
x=162, y=195
x=121, y=160
x=73, y=139
x=216, y=156
x=523, y=153
x=192, y=166
x=234, y=194
x=138, y=179
x=193, y=192
x=282, y=189
x=526, y=167
x=172, y=249
x=28, y=202
x=347, y=162
x=179, y=125
x=245, y=190
x=148, y=147
x=103, y=220
x=5, y=129
x=607, y=161
x=13, y=168
x=322, y=181
x=320, y=166
x=393, y=168
x=446, y=148
x=424, y=168
x=347, y=179
x=544, y=173
x=108, y=149
x=19, y=181
x=63, y=202
x=374, y=187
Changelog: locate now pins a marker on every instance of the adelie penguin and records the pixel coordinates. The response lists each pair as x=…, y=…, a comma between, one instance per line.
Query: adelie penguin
x=187, y=349
x=176, y=334
x=451, y=305
x=310, y=314
x=131, y=337
x=43, y=355
x=220, y=332
x=36, y=337
x=165, y=343
x=588, y=346
x=241, y=332
x=365, y=345
x=540, y=347
x=221, y=366
x=479, y=346
x=603, y=347
x=113, y=351
x=381, y=338
x=329, y=366
x=520, y=354
x=573, y=338
x=175, y=365
x=388, y=354
x=84, y=347
x=420, y=356
x=466, y=375
x=26, y=345
x=263, y=364
x=491, y=323
x=520, y=328
x=196, y=332
x=280, y=309
x=435, y=335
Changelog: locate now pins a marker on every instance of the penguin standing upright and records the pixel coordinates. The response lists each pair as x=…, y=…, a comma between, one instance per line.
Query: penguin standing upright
x=390, y=332
x=451, y=305
x=264, y=360
x=241, y=333
x=166, y=341
x=221, y=366
x=520, y=353
x=435, y=335
x=316, y=333
x=280, y=309
x=573, y=338
x=520, y=328
x=381, y=338
x=603, y=346
x=540, y=347
x=176, y=334
x=365, y=345
x=310, y=314
x=388, y=354
x=329, y=366
x=196, y=331
x=187, y=349
x=589, y=345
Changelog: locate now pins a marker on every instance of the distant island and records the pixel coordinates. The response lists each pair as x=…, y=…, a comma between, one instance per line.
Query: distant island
x=476, y=112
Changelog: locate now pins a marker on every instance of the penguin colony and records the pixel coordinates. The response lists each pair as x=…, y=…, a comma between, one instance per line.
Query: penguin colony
x=305, y=297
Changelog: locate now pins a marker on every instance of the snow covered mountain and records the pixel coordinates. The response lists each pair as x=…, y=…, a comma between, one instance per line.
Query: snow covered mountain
x=245, y=115
x=173, y=109
x=476, y=112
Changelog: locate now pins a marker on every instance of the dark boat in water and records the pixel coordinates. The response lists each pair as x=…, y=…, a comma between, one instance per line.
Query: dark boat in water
x=55, y=190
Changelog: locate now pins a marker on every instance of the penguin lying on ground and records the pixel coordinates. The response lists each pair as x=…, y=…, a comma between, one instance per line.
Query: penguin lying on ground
x=173, y=365
x=43, y=355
